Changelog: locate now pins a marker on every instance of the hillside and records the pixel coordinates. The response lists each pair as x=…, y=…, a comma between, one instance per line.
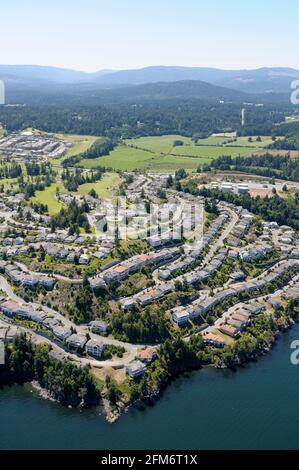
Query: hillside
x=262, y=80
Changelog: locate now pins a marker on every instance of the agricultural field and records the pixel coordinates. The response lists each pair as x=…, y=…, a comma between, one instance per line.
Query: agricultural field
x=81, y=143
x=130, y=159
x=212, y=151
x=243, y=141
x=121, y=158
x=157, y=153
x=157, y=144
x=170, y=163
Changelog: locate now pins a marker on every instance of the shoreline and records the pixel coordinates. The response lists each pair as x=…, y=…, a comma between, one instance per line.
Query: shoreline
x=111, y=414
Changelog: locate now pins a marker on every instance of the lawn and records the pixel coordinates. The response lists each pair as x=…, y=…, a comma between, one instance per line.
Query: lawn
x=48, y=196
x=104, y=187
x=9, y=183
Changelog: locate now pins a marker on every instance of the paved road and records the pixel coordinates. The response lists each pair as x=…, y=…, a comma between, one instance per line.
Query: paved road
x=81, y=329
x=59, y=277
x=224, y=234
x=226, y=314
x=218, y=243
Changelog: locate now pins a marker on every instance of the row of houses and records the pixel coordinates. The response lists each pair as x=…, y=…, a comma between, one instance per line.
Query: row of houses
x=152, y=294
x=293, y=292
x=241, y=229
x=62, y=253
x=202, y=274
x=255, y=252
x=28, y=144
x=182, y=315
x=240, y=318
x=27, y=312
x=187, y=261
x=26, y=279
x=93, y=347
x=13, y=251
x=124, y=269
x=147, y=296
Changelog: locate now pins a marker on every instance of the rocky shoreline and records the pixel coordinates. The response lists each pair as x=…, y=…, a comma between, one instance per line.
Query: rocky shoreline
x=113, y=414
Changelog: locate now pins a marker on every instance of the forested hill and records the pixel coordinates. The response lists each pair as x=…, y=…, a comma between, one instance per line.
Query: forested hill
x=262, y=80
x=150, y=117
x=185, y=89
x=62, y=94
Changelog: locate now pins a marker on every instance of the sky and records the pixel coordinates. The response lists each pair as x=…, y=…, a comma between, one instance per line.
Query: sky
x=91, y=35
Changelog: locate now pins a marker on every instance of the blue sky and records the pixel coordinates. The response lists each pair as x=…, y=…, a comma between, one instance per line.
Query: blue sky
x=117, y=34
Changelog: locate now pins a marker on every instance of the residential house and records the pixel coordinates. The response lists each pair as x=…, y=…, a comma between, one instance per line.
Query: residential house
x=180, y=316
x=61, y=332
x=76, y=341
x=94, y=348
x=135, y=369
x=99, y=326
x=213, y=340
x=229, y=330
x=148, y=355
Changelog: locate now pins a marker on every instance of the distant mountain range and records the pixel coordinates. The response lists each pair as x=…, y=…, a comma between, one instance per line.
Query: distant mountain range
x=37, y=84
x=263, y=80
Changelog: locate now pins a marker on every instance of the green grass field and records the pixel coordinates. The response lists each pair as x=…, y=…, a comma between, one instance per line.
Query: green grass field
x=130, y=159
x=104, y=187
x=9, y=183
x=158, y=144
x=157, y=153
x=210, y=151
x=81, y=143
x=266, y=140
x=48, y=196
x=121, y=158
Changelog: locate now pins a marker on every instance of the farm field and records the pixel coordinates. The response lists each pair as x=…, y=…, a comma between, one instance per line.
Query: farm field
x=169, y=163
x=211, y=152
x=158, y=144
x=157, y=153
x=121, y=158
x=130, y=159
x=243, y=141
x=81, y=144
